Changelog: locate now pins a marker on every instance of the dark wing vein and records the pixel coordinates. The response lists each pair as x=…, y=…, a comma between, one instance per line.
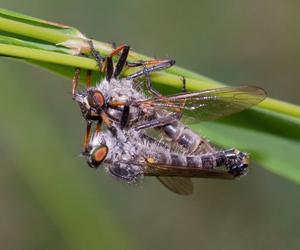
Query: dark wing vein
x=178, y=185
x=175, y=171
x=213, y=103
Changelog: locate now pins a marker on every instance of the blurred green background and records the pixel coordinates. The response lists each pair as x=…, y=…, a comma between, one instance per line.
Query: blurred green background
x=50, y=199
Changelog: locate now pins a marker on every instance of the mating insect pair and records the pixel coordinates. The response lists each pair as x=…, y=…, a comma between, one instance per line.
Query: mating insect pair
x=126, y=148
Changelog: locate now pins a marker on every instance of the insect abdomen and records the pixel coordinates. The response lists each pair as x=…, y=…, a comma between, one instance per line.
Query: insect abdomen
x=202, y=161
x=235, y=162
x=185, y=137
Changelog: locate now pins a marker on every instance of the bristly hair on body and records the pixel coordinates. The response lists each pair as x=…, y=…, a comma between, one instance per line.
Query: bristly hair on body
x=127, y=146
x=128, y=155
x=120, y=90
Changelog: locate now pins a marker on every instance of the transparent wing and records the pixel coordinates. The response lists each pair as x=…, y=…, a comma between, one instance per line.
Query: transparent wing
x=210, y=104
x=177, y=179
x=178, y=185
x=160, y=170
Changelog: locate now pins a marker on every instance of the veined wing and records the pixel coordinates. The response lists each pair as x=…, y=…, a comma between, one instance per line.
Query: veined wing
x=212, y=103
x=175, y=171
x=177, y=179
x=178, y=185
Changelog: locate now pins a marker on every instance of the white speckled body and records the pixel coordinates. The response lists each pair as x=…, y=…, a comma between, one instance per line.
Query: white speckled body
x=123, y=90
x=129, y=153
x=119, y=90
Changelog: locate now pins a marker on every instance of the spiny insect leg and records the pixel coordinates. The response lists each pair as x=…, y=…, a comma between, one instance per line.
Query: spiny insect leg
x=156, y=123
x=98, y=126
x=109, y=68
x=157, y=65
x=183, y=84
x=75, y=81
x=117, y=50
x=88, y=79
x=125, y=116
x=104, y=117
x=122, y=60
x=163, y=62
x=149, y=84
x=120, y=64
x=179, y=111
x=87, y=136
x=96, y=54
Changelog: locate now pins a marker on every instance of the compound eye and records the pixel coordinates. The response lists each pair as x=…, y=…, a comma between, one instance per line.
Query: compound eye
x=98, y=155
x=95, y=99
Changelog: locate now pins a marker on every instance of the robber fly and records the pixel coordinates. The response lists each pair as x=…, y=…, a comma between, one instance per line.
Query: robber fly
x=129, y=155
x=94, y=102
x=118, y=100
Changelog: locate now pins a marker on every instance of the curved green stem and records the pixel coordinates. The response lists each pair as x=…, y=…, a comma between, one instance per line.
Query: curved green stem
x=163, y=78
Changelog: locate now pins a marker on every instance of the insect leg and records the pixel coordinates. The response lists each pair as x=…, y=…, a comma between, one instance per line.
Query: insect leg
x=125, y=116
x=108, y=60
x=156, y=123
x=179, y=112
x=75, y=82
x=87, y=136
x=109, y=68
x=104, y=117
x=96, y=54
x=157, y=66
x=117, y=50
x=149, y=84
x=98, y=126
x=122, y=60
x=120, y=65
x=183, y=84
x=163, y=62
x=88, y=79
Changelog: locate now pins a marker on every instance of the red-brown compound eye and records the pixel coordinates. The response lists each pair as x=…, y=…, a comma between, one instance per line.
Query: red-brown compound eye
x=98, y=155
x=95, y=99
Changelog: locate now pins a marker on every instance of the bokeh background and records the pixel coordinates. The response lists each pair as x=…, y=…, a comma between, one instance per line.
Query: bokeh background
x=51, y=200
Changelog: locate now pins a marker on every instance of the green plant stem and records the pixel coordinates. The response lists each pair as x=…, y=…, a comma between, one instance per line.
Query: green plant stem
x=76, y=42
x=162, y=78
x=47, y=56
x=281, y=107
x=41, y=33
x=56, y=36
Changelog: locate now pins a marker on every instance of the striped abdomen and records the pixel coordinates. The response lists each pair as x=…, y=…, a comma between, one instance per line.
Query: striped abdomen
x=235, y=161
x=186, y=138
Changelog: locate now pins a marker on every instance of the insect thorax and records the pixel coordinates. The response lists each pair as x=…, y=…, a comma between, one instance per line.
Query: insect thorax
x=119, y=90
x=127, y=153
